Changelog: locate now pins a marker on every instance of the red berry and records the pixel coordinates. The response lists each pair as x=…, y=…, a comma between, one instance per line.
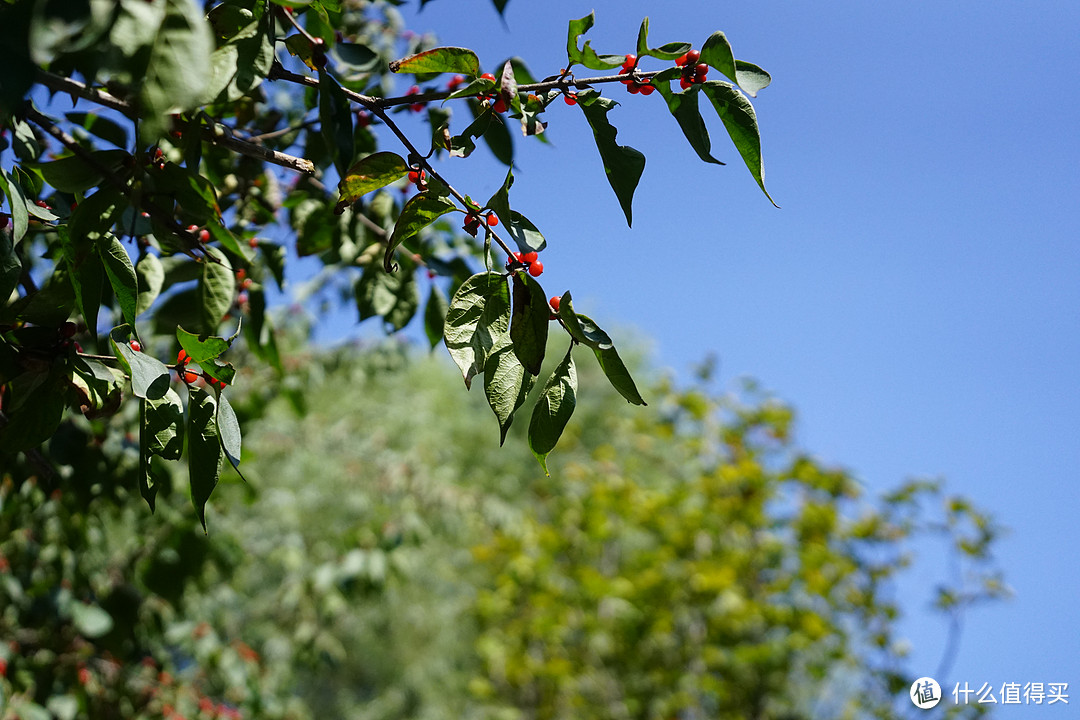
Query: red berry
x=455, y=81
x=190, y=376
x=414, y=177
x=499, y=105
x=648, y=89
x=245, y=284
x=363, y=118
x=630, y=63
x=536, y=268
x=68, y=329
x=685, y=84
x=182, y=358
x=570, y=98
x=529, y=257
x=681, y=60
x=633, y=88
x=204, y=236
x=253, y=243
x=488, y=76
x=700, y=71
x=692, y=57
x=136, y=346
x=492, y=219
x=554, y=303
x=241, y=274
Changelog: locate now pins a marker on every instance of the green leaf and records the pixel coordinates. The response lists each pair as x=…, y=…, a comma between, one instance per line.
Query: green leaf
x=498, y=139
x=370, y=173
x=10, y=268
x=684, y=107
x=86, y=272
x=420, y=211
x=622, y=164
x=35, y=409
x=194, y=193
x=242, y=63
x=751, y=78
x=524, y=233
x=178, y=70
x=201, y=348
x=581, y=327
x=670, y=51
x=479, y=314
x=149, y=376
x=151, y=276
x=95, y=215
x=435, y=315
x=204, y=449
x=20, y=219
x=506, y=383
x=739, y=118
x=586, y=55
x=716, y=52
x=217, y=284
x=229, y=431
x=529, y=322
x=335, y=117
x=72, y=174
x=500, y=201
x=165, y=426
x=553, y=409
x=439, y=60
x=121, y=272
x=617, y=374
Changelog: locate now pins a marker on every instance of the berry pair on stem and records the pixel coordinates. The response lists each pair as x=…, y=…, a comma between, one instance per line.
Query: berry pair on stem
x=531, y=262
x=633, y=86
x=472, y=222
x=693, y=72
x=190, y=376
x=203, y=234
x=418, y=177
x=498, y=104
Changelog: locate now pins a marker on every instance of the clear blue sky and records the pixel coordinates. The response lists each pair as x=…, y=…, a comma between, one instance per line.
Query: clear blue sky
x=918, y=296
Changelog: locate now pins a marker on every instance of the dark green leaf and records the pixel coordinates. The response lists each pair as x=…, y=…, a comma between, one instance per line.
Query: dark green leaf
x=35, y=409
x=617, y=374
x=10, y=268
x=524, y=233
x=370, y=173
x=420, y=211
x=581, y=327
x=506, y=383
x=194, y=193
x=217, y=284
x=359, y=57
x=73, y=174
x=479, y=314
x=553, y=409
x=95, y=215
x=20, y=219
x=529, y=322
x=335, y=117
x=393, y=296
x=86, y=272
x=622, y=164
x=204, y=449
x=586, y=55
x=435, y=315
x=101, y=126
x=121, y=272
x=684, y=106
x=739, y=118
x=498, y=139
x=178, y=69
x=164, y=426
x=439, y=60
x=500, y=201
x=242, y=63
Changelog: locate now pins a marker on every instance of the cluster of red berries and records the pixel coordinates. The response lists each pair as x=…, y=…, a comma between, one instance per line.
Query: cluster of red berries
x=472, y=222
x=418, y=178
x=530, y=261
x=498, y=104
x=633, y=86
x=190, y=376
x=242, y=279
x=692, y=71
x=203, y=234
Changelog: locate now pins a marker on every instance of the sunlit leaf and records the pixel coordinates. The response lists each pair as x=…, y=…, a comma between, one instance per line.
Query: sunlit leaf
x=370, y=173
x=479, y=314
x=553, y=409
x=439, y=60
x=739, y=118
x=204, y=449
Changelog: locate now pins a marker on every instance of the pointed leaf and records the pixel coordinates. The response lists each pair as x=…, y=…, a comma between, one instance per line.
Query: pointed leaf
x=72, y=174
x=670, y=51
x=217, y=283
x=524, y=233
x=716, y=52
x=204, y=449
x=529, y=322
x=370, y=173
x=149, y=376
x=20, y=219
x=121, y=272
x=553, y=409
x=201, y=348
x=586, y=55
x=479, y=314
x=439, y=60
x=229, y=431
x=420, y=211
x=500, y=201
x=179, y=65
x=581, y=327
x=335, y=117
x=435, y=315
x=684, y=107
x=86, y=272
x=618, y=375
x=622, y=164
x=739, y=118
x=506, y=383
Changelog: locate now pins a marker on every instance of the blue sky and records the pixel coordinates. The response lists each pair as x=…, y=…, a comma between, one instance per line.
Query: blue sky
x=916, y=298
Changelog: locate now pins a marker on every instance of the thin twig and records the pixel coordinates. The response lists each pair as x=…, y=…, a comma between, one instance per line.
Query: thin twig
x=225, y=139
